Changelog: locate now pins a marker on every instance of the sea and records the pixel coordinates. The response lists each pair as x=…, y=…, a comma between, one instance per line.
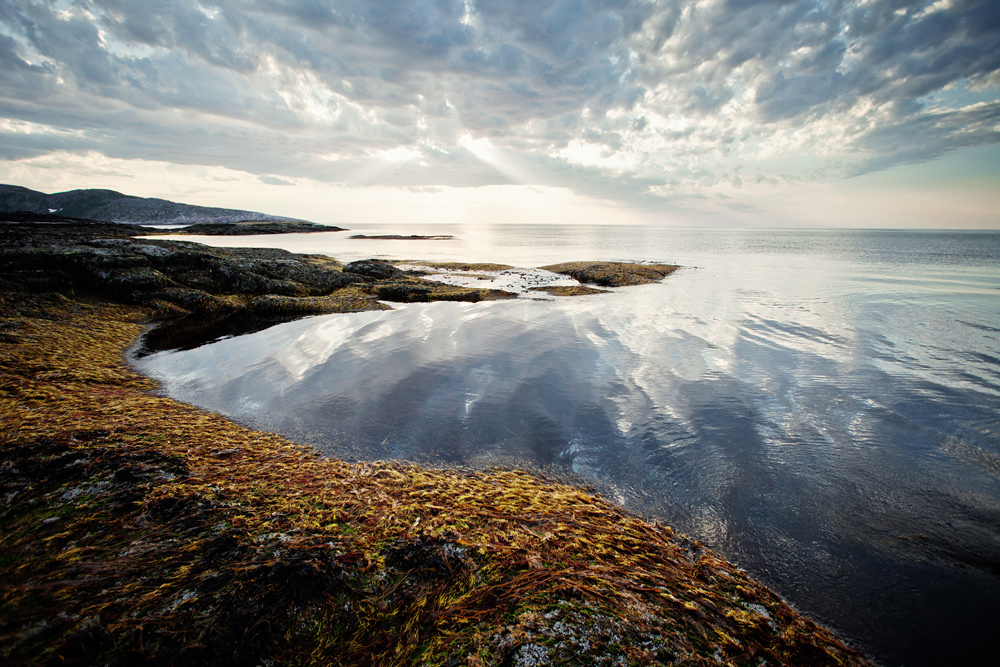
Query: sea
x=821, y=407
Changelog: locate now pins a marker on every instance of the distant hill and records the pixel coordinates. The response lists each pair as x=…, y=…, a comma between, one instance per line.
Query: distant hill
x=111, y=206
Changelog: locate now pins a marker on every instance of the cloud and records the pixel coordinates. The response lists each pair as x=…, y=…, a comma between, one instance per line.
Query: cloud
x=271, y=180
x=631, y=97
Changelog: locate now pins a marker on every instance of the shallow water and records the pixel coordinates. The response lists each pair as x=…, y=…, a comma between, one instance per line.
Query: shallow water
x=822, y=407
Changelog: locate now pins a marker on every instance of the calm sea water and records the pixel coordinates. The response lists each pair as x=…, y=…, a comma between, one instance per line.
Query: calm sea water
x=821, y=407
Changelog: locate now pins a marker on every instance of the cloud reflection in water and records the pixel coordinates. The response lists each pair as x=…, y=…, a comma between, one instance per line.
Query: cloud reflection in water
x=831, y=426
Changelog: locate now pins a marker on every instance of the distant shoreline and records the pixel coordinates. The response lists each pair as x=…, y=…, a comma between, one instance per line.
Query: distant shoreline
x=397, y=237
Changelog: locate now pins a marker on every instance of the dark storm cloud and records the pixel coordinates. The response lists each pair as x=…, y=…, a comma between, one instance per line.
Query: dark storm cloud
x=316, y=88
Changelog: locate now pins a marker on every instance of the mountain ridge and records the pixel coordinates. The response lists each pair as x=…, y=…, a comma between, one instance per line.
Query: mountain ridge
x=112, y=206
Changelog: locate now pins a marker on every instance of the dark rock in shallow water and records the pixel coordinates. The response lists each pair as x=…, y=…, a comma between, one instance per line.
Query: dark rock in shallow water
x=397, y=237
x=613, y=274
x=414, y=290
x=402, y=292
x=390, y=283
x=568, y=290
x=374, y=269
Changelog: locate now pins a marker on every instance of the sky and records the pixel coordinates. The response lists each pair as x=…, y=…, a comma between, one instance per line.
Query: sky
x=774, y=113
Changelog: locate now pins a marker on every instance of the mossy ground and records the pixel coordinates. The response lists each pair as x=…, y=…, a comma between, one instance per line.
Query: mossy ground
x=139, y=529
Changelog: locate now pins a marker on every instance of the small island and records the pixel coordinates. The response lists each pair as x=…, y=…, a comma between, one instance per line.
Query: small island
x=255, y=227
x=613, y=274
x=140, y=530
x=568, y=290
x=397, y=237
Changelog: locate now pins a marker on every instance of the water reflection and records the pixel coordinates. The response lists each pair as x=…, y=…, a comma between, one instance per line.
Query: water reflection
x=196, y=330
x=833, y=427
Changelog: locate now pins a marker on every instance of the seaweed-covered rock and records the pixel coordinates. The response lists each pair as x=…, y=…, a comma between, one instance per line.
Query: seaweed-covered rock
x=197, y=301
x=374, y=269
x=402, y=292
x=142, y=279
x=613, y=274
x=568, y=290
x=414, y=290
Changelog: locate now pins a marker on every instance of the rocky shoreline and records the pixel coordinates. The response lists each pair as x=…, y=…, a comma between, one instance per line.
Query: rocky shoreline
x=177, y=278
x=137, y=529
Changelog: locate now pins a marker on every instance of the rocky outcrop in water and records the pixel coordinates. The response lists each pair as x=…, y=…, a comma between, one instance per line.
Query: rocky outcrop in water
x=397, y=237
x=111, y=206
x=254, y=228
x=180, y=277
x=613, y=274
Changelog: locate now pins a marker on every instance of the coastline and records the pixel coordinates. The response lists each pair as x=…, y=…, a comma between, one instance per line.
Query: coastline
x=139, y=528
